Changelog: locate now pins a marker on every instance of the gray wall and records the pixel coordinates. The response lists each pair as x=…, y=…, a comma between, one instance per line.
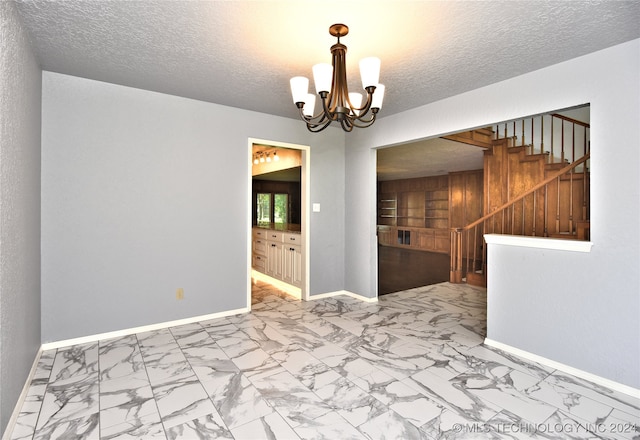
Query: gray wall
x=586, y=305
x=143, y=193
x=327, y=226
x=20, y=87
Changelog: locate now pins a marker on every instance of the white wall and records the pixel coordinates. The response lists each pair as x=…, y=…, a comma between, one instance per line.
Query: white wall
x=577, y=309
x=143, y=193
x=20, y=91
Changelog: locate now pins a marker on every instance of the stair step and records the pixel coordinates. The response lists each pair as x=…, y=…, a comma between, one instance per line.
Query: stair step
x=518, y=149
x=534, y=157
x=476, y=279
x=556, y=166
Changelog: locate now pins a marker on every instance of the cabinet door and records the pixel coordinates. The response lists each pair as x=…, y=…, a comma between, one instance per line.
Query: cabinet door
x=442, y=241
x=297, y=266
x=292, y=265
x=426, y=239
x=387, y=236
x=406, y=237
x=274, y=259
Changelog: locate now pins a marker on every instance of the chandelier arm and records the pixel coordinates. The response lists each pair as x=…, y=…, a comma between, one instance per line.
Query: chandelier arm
x=362, y=119
x=313, y=128
x=315, y=119
x=313, y=125
x=367, y=105
x=346, y=124
x=364, y=124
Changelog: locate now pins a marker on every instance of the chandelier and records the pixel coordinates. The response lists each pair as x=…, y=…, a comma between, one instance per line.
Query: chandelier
x=331, y=84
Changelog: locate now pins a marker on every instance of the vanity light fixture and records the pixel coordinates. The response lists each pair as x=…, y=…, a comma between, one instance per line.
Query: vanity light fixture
x=331, y=84
x=265, y=156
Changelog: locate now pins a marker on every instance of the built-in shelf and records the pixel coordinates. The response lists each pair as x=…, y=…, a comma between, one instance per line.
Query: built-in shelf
x=414, y=213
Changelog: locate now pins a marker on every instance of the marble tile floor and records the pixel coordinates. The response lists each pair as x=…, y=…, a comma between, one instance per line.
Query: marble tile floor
x=412, y=366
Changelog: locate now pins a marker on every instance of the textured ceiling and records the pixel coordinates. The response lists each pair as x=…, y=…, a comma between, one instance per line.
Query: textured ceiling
x=242, y=53
x=432, y=157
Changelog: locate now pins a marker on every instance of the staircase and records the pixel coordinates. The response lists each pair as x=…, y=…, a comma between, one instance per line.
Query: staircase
x=536, y=183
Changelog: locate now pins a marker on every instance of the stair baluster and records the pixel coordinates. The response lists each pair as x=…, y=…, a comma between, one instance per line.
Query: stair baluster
x=573, y=142
x=558, y=206
x=571, y=231
x=553, y=159
x=542, y=134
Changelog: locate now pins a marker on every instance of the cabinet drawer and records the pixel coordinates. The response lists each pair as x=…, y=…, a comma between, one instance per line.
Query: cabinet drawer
x=274, y=236
x=260, y=246
x=291, y=238
x=260, y=233
x=259, y=263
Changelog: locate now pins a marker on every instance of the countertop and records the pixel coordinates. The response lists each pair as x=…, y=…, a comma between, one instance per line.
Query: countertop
x=283, y=227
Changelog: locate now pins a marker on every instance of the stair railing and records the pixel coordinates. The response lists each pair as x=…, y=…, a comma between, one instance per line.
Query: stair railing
x=520, y=216
x=562, y=132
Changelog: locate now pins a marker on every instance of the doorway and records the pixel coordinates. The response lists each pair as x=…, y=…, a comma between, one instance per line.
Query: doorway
x=282, y=201
x=413, y=218
x=428, y=188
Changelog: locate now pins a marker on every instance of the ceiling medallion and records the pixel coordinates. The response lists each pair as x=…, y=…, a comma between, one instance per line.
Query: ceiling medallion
x=331, y=84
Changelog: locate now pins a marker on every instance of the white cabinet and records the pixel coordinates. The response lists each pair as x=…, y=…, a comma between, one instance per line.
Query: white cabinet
x=274, y=259
x=259, y=250
x=278, y=254
x=292, y=262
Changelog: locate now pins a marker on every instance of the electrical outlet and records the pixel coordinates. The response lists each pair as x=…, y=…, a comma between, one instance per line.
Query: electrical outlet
x=180, y=293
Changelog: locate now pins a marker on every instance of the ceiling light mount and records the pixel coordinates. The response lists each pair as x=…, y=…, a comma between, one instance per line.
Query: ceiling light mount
x=331, y=85
x=338, y=30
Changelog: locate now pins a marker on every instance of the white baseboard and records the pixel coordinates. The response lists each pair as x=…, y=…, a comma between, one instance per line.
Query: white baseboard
x=343, y=292
x=158, y=326
x=21, y=399
x=144, y=328
x=296, y=291
x=625, y=389
x=151, y=327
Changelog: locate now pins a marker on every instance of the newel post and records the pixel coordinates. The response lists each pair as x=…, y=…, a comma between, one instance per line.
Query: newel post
x=455, y=275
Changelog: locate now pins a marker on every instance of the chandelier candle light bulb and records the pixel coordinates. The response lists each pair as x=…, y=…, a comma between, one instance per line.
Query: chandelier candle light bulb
x=331, y=85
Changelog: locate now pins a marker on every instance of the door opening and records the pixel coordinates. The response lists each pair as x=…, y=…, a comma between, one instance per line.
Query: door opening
x=278, y=224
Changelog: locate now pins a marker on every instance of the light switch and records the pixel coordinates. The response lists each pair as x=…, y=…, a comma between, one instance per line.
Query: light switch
x=316, y=207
